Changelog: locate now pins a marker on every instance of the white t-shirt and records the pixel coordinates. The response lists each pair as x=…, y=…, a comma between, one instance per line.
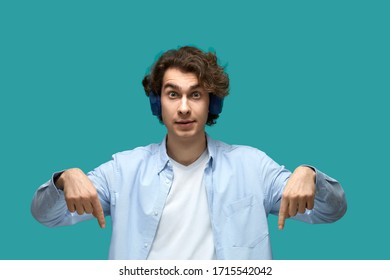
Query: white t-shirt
x=184, y=231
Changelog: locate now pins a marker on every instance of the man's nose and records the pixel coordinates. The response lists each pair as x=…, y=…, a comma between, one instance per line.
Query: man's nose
x=184, y=107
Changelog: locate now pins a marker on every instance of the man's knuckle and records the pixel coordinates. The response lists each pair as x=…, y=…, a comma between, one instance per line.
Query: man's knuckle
x=70, y=198
x=286, y=195
x=85, y=197
x=94, y=196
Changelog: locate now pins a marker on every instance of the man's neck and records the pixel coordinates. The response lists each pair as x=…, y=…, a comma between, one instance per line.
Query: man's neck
x=186, y=151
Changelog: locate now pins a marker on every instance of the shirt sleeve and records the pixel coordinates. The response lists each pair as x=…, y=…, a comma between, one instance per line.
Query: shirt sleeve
x=329, y=204
x=49, y=206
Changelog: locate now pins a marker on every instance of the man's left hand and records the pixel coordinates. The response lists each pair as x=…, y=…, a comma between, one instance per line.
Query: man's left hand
x=298, y=194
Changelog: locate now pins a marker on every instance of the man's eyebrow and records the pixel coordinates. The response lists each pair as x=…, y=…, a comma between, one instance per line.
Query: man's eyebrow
x=174, y=86
x=170, y=85
x=195, y=86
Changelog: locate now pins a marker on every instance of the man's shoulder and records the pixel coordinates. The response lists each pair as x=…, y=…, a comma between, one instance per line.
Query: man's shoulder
x=141, y=152
x=234, y=149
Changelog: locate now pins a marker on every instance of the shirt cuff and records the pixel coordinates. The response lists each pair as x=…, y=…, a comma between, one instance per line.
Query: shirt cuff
x=55, y=192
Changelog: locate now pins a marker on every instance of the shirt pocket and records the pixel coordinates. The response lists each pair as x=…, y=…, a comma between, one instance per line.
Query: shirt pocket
x=246, y=223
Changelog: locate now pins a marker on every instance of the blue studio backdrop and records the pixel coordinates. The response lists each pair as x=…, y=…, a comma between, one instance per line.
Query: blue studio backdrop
x=309, y=84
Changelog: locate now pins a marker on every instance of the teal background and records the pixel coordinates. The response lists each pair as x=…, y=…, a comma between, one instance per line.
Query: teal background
x=309, y=84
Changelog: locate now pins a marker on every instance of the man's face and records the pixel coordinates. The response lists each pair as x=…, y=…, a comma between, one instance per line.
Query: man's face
x=184, y=104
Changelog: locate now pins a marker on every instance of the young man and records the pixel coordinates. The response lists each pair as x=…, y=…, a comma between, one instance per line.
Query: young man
x=190, y=197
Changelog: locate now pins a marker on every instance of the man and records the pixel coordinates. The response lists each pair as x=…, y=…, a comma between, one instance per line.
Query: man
x=190, y=197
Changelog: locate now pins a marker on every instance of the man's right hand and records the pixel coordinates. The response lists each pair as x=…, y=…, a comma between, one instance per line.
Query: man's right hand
x=80, y=194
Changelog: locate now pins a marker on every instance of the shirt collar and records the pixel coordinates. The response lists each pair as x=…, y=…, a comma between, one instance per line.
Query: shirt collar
x=212, y=148
x=164, y=159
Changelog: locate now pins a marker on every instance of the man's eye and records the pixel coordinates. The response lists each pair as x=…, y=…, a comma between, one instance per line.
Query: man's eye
x=196, y=95
x=172, y=94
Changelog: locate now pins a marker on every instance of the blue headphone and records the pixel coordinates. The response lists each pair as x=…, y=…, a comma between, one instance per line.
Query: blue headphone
x=215, y=106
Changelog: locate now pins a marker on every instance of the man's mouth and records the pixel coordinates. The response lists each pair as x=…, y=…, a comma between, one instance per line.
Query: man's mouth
x=185, y=122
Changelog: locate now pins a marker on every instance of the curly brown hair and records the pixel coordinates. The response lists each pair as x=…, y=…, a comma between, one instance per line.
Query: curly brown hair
x=212, y=77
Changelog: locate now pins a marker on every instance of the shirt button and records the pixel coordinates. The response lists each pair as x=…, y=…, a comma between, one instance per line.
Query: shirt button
x=146, y=245
x=155, y=213
x=167, y=182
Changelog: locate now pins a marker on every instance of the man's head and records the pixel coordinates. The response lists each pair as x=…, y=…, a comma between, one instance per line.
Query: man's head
x=211, y=76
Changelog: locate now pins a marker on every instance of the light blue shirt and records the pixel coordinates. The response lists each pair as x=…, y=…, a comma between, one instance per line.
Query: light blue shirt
x=243, y=186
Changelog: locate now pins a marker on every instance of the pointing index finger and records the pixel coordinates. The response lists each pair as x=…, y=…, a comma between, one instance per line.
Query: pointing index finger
x=283, y=214
x=98, y=213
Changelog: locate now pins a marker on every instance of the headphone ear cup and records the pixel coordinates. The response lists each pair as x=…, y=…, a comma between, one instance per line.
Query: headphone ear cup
x=155, y=104
x=216, y=104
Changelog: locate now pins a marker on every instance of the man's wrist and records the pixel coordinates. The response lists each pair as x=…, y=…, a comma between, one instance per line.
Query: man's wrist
x=308, y=170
